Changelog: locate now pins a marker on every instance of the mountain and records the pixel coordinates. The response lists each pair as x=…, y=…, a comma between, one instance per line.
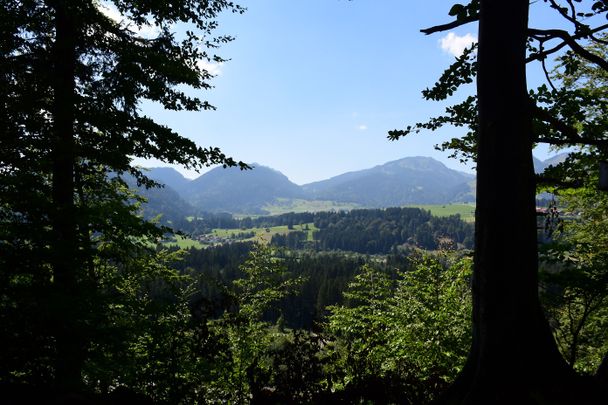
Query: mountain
x=540, y=166
x=164, y=201
x=240, y=191
x=412, y=180
x=407, y=181
x=555, y=160
x=168, y=176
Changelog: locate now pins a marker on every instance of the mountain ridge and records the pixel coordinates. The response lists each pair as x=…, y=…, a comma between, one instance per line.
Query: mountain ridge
x=406, y=181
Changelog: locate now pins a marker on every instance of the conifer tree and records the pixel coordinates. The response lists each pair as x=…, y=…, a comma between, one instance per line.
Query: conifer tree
x=72, y=82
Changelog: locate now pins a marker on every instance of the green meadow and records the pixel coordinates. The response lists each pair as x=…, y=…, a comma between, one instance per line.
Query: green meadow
x=466, y=211
x=265, y=234
x=183, y=242
x=285, y=205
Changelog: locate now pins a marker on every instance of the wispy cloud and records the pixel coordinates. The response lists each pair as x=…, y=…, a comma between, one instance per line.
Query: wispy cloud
x=362, y=127
x=214, y=69
x=456, y=44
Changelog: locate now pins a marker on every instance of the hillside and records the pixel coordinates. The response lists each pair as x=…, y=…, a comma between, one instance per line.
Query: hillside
x=237, y=191
x=412, y=180
x=170, y=177
x=540, y=166
x=164, y=201
x=407, y=181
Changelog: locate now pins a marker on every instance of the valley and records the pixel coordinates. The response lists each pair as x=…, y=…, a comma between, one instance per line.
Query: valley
x=412, y=181
x=265, y=191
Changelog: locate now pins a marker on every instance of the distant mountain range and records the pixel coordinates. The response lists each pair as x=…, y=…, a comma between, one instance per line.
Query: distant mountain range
x=407, y=181
x=540, y=166
x=413, y=180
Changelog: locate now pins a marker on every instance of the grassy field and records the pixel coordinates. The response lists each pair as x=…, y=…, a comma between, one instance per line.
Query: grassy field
x=284, y=205
x=184, y=243
x=265, y=234
x=466, y=211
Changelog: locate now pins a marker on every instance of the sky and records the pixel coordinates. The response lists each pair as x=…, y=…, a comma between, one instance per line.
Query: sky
x=313, y=86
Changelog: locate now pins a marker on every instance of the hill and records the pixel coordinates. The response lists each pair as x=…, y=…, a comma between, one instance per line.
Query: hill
x=240, y=191
x=540, y=166
x=412, y=180
x=169, y=177
x=164, y=201
x=407, y=181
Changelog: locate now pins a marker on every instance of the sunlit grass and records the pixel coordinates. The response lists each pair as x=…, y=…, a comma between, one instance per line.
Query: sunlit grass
x=285, y=205
x=265, y=234
x=466, y=211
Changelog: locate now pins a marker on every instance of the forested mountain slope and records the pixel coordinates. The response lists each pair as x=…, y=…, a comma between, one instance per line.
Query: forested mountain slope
x=407, y=181
x=412, y=180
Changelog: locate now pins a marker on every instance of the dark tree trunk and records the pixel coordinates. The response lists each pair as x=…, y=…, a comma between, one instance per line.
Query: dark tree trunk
x=602, y=371
x=514, y=358
x=69, y=347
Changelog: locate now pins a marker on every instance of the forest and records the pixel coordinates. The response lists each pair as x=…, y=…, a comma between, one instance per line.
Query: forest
x=387, y=306
x=370, y=231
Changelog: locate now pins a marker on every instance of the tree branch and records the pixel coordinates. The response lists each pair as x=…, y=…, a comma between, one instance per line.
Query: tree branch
x=542, y=55
x=544, y=35
x=454, y=24
x=571, y=135
x=600, y=143
x=560, y=10
x=545, y=70
x=598, y=40
x=542, y=179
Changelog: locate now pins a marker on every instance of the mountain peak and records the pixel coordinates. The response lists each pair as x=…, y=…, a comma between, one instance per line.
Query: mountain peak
x=167, y=176
x=240, y=191
x=418, y=163
x=411, y=180
x=540, y=166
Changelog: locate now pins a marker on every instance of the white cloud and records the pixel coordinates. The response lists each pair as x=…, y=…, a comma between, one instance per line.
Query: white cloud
x=455, y=44
x=215, y=69
x=110, y=11
x=362, y=127
x=147, y=31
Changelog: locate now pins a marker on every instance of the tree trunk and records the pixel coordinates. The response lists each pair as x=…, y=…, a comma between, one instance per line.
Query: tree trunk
x=514, y=358
x=602, y=371
x=69, y=348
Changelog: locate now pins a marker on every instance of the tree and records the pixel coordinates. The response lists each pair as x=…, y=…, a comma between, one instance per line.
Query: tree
x=241, y=368
x=432, y=307
x=506, y=303
x=402, y=337
x=362, y=327
x=72, y=82
x=575, y=279
x=513, y=357
x=574, y=263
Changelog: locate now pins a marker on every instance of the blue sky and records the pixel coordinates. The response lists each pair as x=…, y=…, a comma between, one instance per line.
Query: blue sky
x=312, y=87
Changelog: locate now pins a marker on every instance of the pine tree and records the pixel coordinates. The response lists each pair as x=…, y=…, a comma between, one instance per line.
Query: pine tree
x=73, y=79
